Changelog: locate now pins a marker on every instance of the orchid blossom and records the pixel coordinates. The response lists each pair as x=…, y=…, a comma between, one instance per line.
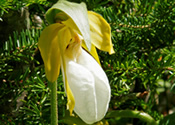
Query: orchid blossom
x=73, y=33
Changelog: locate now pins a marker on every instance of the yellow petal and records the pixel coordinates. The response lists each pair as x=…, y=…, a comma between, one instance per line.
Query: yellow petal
x=93, y=52
x=100, y=32
x=65, y=35
x=50, y=52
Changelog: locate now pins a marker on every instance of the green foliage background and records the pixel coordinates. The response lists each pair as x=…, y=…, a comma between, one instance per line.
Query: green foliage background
x=141, y=72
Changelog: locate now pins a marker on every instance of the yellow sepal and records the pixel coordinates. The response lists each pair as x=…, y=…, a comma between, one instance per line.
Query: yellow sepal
x=50, y=51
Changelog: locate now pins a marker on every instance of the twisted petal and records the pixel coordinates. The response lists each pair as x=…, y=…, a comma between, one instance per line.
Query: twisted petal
x=100, y=32
x=50, y=51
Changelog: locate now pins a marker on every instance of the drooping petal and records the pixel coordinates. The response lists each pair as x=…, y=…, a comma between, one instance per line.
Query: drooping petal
x=65, y=35
x=81, y=82
x=77, y=13
x=102, y=88
x=100, y=32
x=50, y=51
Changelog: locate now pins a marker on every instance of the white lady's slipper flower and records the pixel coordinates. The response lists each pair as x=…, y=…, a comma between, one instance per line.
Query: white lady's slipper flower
x=67, y=20
x=88, y=82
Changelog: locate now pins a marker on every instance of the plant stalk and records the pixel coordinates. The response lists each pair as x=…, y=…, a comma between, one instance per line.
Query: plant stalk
x=132, y=114
x=54, y=108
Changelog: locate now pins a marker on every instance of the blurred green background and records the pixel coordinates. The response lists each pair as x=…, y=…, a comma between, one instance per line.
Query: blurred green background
x=141, y=72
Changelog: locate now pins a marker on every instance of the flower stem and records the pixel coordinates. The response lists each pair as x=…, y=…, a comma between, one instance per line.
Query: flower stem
x=54, y=109
x=132, y=114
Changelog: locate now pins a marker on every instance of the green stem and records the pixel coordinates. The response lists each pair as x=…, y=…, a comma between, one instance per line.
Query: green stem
x=132, y=114
x=54, y=109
